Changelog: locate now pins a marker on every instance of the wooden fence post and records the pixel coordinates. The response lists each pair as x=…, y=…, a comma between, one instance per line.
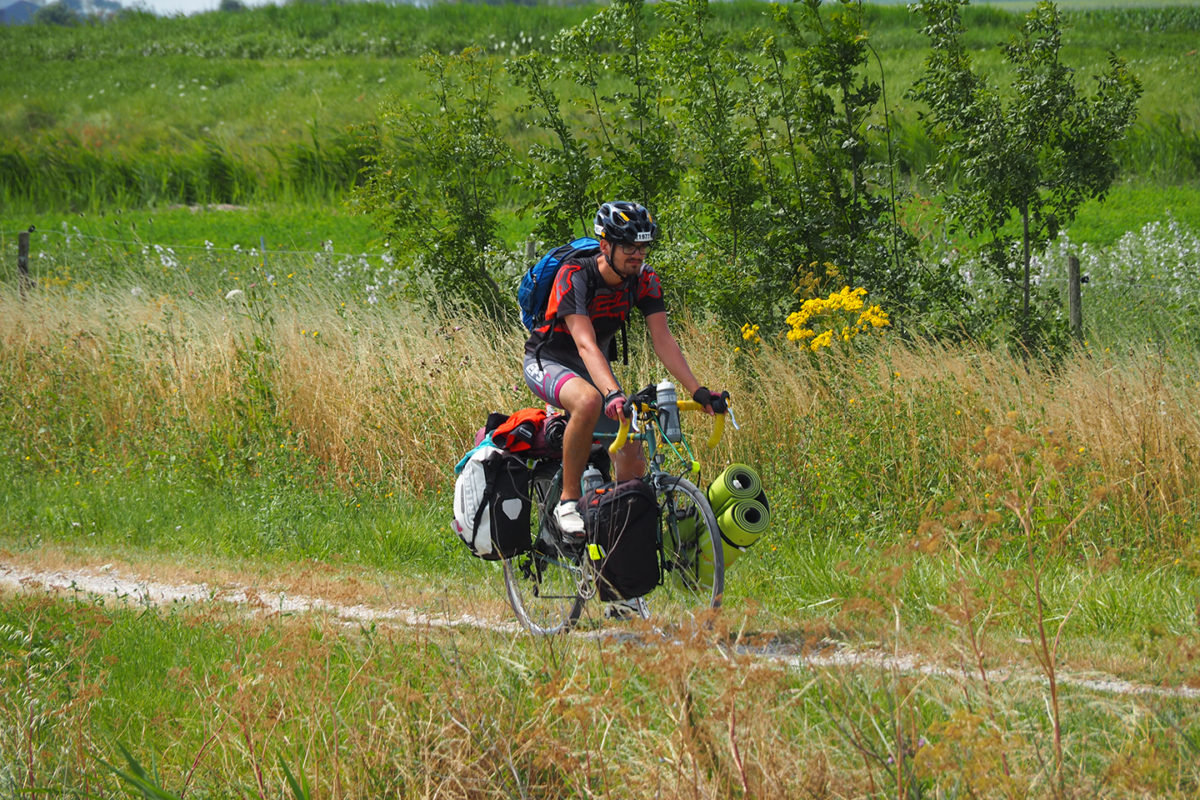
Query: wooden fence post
x=1074, y=297
x=24, y=282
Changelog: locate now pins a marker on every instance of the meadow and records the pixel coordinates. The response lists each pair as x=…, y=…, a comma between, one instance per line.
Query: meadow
x=242, y=394
x=932, y=499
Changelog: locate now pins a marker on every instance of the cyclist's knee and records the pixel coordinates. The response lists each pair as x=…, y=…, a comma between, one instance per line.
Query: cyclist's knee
x=582, y=400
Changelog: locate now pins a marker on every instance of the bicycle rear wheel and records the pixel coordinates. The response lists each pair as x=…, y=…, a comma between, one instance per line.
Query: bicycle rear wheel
x=544, y=586
x=693, y=557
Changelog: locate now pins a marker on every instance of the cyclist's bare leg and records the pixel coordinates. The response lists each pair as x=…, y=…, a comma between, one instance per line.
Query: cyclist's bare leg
x=584, y=404
x=629, y=462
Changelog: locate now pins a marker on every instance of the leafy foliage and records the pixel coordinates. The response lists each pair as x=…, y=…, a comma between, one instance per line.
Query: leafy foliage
x=558, y=175
x=755, y=151
x=823, y=181
x=753, y=147
x=624, y=148
x=434, y=192
x=723, y=202
x=1019, y=163
x=59, y=13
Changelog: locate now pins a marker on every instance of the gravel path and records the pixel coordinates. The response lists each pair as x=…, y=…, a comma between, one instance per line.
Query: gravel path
x=105, y=581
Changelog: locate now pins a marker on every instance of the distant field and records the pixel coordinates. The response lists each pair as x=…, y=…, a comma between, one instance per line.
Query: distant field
x=281, y=226
x=309, y=227
x=265, y=106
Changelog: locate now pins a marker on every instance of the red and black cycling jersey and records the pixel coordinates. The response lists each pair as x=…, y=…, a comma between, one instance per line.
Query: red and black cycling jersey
x=580, y=289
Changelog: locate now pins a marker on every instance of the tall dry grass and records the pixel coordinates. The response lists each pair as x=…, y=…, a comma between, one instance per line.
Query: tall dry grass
x=385, y=394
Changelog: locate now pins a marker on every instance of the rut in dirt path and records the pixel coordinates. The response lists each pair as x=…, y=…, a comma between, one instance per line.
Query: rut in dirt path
x=105, y=582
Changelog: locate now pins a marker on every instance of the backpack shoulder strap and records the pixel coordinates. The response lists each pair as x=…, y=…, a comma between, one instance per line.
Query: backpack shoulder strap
x=591, y=292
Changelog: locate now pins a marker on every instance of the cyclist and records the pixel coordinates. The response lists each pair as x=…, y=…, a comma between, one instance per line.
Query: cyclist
x=567, y=358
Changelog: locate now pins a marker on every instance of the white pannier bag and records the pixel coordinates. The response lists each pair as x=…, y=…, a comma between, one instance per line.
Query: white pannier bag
x=492, y=504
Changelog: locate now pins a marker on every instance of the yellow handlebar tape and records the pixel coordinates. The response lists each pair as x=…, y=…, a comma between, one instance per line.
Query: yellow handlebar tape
x=684, y=405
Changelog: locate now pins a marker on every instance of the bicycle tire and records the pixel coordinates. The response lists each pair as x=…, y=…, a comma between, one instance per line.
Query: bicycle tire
x=543, y=585
x=693, y=556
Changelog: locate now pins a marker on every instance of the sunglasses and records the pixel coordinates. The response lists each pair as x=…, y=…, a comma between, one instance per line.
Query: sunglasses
x=630, y=249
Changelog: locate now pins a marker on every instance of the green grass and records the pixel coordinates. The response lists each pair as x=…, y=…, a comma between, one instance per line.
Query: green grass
x=1130, y=207
x=809, y=571
x=210, y=702
x=262, y=106
x=166, y=511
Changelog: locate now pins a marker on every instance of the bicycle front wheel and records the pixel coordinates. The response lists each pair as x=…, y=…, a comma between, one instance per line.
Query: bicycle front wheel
x=544, y=586
x=693, y=557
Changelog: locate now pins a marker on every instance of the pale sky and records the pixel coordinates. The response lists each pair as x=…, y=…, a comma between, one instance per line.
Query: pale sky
x=172, y=7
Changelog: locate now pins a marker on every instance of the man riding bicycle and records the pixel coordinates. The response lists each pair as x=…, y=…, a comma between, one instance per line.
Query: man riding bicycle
x=567, y=357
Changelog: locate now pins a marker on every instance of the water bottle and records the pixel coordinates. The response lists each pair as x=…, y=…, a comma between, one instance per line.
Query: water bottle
x=591, y=478
x=668, y=412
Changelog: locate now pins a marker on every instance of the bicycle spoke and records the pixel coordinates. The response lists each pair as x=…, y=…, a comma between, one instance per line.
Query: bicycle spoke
x=694, y=567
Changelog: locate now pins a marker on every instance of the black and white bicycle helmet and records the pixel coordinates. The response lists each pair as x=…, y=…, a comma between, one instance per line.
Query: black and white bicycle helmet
x=624, y=222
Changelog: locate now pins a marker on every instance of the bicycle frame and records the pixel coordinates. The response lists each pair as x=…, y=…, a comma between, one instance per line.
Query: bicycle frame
x=647, y=413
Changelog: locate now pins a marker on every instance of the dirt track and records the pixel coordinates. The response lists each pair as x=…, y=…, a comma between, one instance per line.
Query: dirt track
x=104, y=581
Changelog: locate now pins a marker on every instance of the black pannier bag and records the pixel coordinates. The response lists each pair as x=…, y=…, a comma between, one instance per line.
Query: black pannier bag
x=492, y=505
x=622, y=526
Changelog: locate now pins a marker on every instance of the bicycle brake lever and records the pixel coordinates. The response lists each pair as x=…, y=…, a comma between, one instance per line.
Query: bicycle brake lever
x=732, y=418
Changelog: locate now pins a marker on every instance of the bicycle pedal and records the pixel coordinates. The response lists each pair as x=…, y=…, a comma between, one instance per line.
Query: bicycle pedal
x=573, y=549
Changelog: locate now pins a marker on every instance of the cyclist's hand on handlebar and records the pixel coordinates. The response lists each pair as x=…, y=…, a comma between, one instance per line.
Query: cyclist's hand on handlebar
x=713, y=402
x=616, y=405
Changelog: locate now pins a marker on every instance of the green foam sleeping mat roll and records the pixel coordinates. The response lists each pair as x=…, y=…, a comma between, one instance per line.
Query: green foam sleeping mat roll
x=737, y=482
x=685, y=531
x=742, y=524
x=695, y=551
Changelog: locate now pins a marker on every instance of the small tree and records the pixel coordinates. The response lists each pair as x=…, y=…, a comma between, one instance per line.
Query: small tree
x=559, y=173
x=704, y=71
x=633, y=134
x=1018, y=164
x=818, y=97
x=625, y=149
x=721, y=204
x=433, y=187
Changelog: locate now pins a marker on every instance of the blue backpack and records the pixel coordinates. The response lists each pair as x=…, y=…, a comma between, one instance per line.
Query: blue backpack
x=534, y=292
